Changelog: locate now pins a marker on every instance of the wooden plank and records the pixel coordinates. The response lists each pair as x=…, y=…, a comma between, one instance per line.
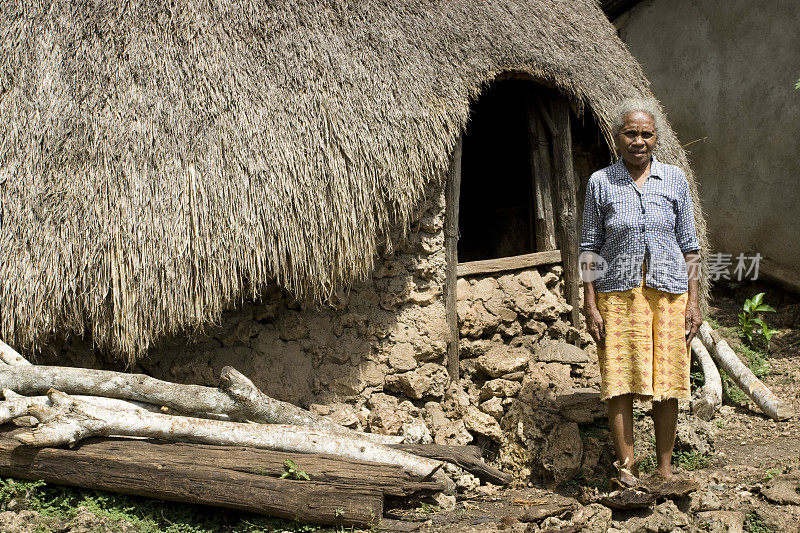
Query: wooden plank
x=541, y=179
x=452, y=198
x=566, y=202
x=185, y=473
x=503, y=264
x=467, y=457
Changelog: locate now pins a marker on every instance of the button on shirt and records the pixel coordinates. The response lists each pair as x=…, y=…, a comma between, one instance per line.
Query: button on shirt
x=625, y=224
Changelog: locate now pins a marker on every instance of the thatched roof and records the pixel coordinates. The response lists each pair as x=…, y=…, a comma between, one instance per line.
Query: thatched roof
x=163, y=160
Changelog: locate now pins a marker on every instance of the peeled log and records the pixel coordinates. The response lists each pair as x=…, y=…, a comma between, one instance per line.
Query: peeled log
x=240, y=400
x=707, y=400
x=69, y=420
x=727, y=359
x=9, y=356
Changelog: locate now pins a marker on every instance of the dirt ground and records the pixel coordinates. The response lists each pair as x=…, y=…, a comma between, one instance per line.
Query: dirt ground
x=751, y=454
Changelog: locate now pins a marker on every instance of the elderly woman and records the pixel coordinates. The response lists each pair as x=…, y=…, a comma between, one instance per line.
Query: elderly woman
x=640, y=251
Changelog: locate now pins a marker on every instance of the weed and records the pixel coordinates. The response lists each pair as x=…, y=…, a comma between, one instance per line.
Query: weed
x=427, y=508
x=754, y=524
x=691, y=460
x=293, y=472
x=648, y=464
x=771, y=473
x=720, y=423
x=686, y=460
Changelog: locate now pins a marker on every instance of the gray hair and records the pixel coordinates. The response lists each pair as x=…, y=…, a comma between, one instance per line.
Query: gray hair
x=632, y=105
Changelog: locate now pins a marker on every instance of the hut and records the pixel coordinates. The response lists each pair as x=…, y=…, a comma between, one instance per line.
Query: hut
x=281, y=187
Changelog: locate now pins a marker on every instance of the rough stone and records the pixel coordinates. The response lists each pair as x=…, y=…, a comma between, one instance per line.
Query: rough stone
x=705, y=500
x=499, y=387
x=465, y=482
x=463, y=290
x=503, y=360
x=428, y=380
x=551, y=505
x=452, y=433
x=563, y=451
x=496, y=307
x=474, y=320
x=784, y=489
x=722, y=521
x=581, y=405
x=401, y=357
x=484, y=289
x=446, y=502
x=456, y=400
x=416, y=432
x=561, y=352
x=665, y=518
x=385, y=415
x=493, y=408
x=483, y=424
x=593, y=518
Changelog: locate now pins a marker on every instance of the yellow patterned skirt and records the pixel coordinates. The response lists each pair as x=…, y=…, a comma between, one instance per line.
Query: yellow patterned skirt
x=645, y=349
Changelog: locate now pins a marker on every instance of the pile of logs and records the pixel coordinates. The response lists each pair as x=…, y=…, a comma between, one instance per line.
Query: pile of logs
x=223, y=446
x=709, y=348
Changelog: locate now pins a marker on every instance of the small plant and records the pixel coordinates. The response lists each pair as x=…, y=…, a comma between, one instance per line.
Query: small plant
x=754, y=524
x=771, y=473
x=751, y=324
x=691, y=460
x=427, y=508
x=293, y=472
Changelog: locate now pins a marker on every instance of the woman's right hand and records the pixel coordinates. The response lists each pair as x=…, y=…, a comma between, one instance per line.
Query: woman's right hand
x=594, y=323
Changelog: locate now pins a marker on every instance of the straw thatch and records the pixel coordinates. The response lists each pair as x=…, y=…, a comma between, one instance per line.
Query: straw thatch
x=163, y=160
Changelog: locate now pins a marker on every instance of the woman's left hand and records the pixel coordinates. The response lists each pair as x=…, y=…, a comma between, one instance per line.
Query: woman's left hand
x=693, y=320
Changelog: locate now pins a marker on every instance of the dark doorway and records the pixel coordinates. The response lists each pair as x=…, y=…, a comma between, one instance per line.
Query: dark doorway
x=496, y=207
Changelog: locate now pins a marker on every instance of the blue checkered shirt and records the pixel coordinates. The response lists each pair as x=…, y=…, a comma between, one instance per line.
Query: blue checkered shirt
x=625, y=225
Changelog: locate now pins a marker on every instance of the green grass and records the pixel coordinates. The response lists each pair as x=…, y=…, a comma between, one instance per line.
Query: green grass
x=145, y=514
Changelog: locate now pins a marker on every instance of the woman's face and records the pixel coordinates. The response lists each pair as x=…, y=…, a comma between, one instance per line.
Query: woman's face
x=637, y=138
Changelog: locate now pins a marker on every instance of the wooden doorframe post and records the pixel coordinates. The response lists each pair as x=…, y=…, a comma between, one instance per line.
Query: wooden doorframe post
x=566, y=190
x=452, y=197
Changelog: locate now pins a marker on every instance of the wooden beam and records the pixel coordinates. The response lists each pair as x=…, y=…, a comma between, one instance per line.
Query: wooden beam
x=452, y=198
x=505, y=264
x=566, y=203
x=196, y=474
x=541, y=180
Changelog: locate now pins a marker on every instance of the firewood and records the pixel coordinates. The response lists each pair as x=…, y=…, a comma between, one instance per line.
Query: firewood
x=728, y=361
x=707, y=400
x=68, y=420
